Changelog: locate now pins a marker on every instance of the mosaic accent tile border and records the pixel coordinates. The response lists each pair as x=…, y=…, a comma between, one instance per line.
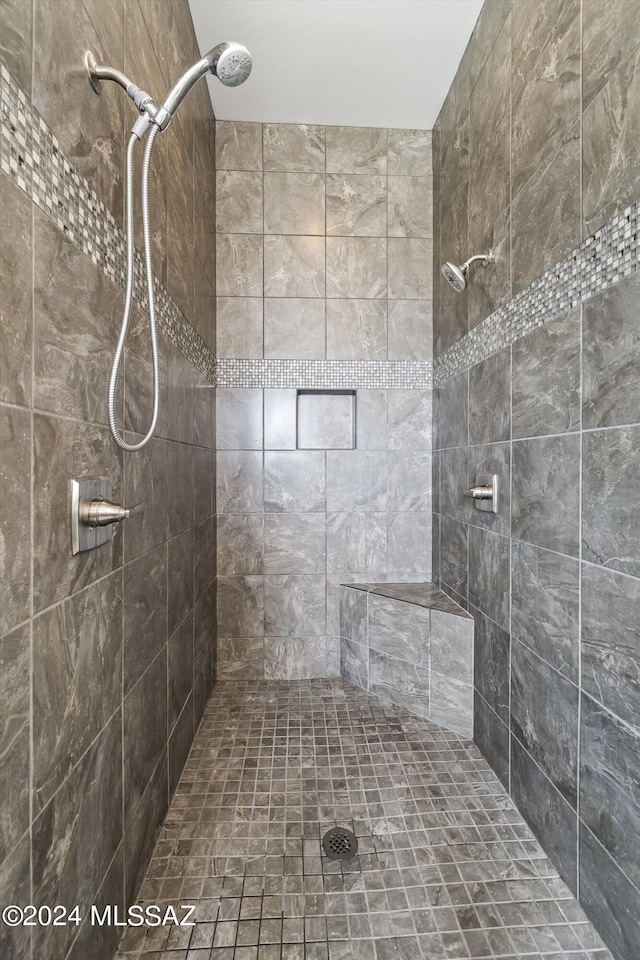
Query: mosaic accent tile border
x=31, y=156
x=602, y=260
x=325, y=374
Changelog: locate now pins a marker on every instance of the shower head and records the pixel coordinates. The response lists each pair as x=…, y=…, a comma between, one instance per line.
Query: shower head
x=457, y=276
x=229, y=62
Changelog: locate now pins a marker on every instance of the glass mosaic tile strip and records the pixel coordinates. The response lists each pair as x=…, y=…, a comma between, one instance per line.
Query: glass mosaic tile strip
x=603, y=259
x=32, y=157
x=325, y=374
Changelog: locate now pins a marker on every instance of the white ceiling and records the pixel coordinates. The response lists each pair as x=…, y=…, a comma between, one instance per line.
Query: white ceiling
x=371, y=63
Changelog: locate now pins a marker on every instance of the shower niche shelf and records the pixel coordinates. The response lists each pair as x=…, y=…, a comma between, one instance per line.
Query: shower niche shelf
x=326, y=420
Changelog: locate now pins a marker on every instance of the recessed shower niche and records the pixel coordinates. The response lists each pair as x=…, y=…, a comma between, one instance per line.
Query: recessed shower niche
x=326, y=419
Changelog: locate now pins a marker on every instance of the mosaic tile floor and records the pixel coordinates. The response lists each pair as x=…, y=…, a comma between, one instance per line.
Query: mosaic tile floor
x=446, y=867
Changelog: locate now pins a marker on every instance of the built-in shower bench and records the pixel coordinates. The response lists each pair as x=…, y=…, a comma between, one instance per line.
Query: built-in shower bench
x=409, y=643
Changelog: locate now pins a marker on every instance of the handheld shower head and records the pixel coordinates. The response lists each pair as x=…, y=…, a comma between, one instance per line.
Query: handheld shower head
x=229, y=62
x=457, y=276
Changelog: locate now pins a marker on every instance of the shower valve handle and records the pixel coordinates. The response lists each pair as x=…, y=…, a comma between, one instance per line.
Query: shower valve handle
x=480, y=492
x=100, y=513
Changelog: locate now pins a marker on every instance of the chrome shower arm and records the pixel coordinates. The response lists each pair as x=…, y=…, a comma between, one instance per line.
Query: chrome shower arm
x=97, y=72
x=485, y=261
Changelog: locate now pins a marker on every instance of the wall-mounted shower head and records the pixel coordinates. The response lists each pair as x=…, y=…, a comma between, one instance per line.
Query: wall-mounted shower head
x=457, y=276
x=229, y=62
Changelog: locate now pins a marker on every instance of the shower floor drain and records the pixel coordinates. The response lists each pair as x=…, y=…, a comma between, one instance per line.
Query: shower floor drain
x=340, y=844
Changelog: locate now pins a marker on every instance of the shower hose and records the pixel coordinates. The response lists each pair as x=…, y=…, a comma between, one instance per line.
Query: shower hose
x=117, y=359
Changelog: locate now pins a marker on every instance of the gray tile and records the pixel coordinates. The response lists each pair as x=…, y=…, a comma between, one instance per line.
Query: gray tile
x=293, y=147
x=294, y=658
x=454, y=476
x=409, y=484
x=409, y=545
x=371, y=419
x=180, y=488
x=545, y=492
x=551, y=818
x=489, y=400
x=294, y=482
x=356, y=206
x=240, y=608
x=294, y=328
x=491, y=287
x=239, y=202
x=294, y=543
x=400, y=682
x=356, y=267
x=410, y=207
x=452, y=645
x=610, y=357
x=179, y=669
x=204, y=556
x=611, y=178
x=294, y=203
x=490, y=458
x=294, y=266
x=409, y=422
x=16, y=268
x=609, y=34
x=491, y=665
x=489, y=574
x=451, y=703
x=326, y=420
x=240, y=659
x=354, y=663
x=356, y=329
x=280, y=419
x=544, y=718
x=146, y=481
x=239, y=327
x=492, y=737
x=238, y=145
x=15, y=483
x=546, y=379
x=454, y=538
x=141, y=830
x=608, y=896
x=531, y=28
x=356, y=542
x=239, y=265
x=452, y=406
x=16, y=46
x=15, y=737
x=409, y=153
x=410, y=330
x=356, y=150
x=179, y=745
x=610, y=532
x=610, y=641
x=238, y=419
x=356, y=481
x=180, y=575
x=410, y=269
x=294, y=606
x=545, y=612
x=399, y=629
x=609, y=771
x=239, y=482
x=353, y=615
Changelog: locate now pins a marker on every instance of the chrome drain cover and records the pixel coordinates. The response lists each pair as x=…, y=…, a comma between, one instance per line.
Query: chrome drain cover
x=340, y=844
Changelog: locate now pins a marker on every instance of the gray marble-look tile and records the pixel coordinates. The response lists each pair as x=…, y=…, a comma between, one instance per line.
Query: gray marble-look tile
x=454, y=480
x=294, y=266
x=15, y=736
x=491, y=93
x=356, y=150
x=409, y=419
x=353, y=615
x=16, y=43
x=610, y=31
x=549, y=101
x=546, y=378
x=240, y=608
x=545, y=216
x=238, y=145
x=489, y=399
x=204, y=644
x=489, y=574
x=532, y=26
x=354, y=663
x=611, y=180
x=454, y=538
x=609, y=776
x=406, y=684
x=293, y=147
x=356, y=329
x=545, y=484
x=610, y=356
x=451, y=703
x=491, y=664
x=239, y=482
x=294, y=328
x=371, y=419
x=409, y=544
x=16, y=288
x=551, y=818
x=610, y=640
x=409, y=153
x=180, y=578
x=410, y=208
x=294, y=203
x=295, y=658
x=356, y=267
x=238, y=419
x=239, y=202
x=326, y=420
x=64, y=449
x=545, y=610
x=239, y=327
x=280, y=419
x=294, y=482
x=410, y=330
x=179, y=669
x=409, y=482
x=294, y=606
x=356, y=481
x=203, y=489
x=75, y=837
x=356, y=542
x=145, y=612
x=240, y=659
x=544, y=718
x=491, y=287
x=180, y=401
x=179, y=745
x=294, y=543
x=146, y=481
x=239, y=265
x=141, y=830
x=204, y=556
x=410, y=269
x=610, y=522
x=356, y=206
x=180, y=487
x=452, y=645
x=452, y=411
x=92, y=939
x=399, y=629
x=15, y=484
x=492, y=738
x=609, y=897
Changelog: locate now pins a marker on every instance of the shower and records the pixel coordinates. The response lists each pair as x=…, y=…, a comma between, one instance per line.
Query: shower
x=231, y=64
x=457, y=275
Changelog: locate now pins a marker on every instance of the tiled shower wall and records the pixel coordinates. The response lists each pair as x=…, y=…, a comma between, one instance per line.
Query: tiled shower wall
x=105, y=658
x=536, y=148
x=324, y=256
